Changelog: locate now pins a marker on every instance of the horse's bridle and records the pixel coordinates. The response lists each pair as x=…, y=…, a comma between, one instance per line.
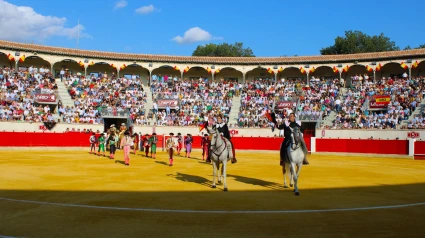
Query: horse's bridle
x=215, y=144
x=295, y=140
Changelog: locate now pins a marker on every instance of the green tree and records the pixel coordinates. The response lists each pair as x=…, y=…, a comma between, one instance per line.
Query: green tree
x=223, y=50
x=357, y=42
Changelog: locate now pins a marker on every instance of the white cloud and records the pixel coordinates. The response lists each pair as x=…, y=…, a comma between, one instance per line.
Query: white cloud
x=195, y=34
x=146, y=9
x=21, y=23
x=120, y=4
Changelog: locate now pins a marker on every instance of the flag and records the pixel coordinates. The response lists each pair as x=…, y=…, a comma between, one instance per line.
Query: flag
x=302, y=70
x=91, y=64
x=113, y=66
x=123, y=67
x=22, y=59
x=280, y=69
x=415, y=65
x=368, y=68
x=186, y=69
x=208, y=70
x=202, y=126
x=312, y=70
x=10, y=57
x=403, y=65
x=81, y=63
x=345, y=69
x=176, y=68
x=335, y=69
x=268, y=116
x=217, y=71
x=378, y=67
x=270, y=71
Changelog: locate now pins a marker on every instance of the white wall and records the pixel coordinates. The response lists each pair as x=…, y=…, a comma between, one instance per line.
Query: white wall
x=364, y=134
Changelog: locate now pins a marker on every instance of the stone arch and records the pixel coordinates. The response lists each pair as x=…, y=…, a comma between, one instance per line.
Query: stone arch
x=33, y=60
x=166, y=70
x=357, y=69
x=257, y=73
x=69, y=65
x=196, y=72
x=101, y=68
x=324, y=71
x=5, y=62
x=137, y=70
x=391, y=69
x=292, y=73
x=229, y=74
x=420, y=70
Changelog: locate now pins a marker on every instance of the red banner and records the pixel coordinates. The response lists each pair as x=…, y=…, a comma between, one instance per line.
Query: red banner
x=164, y=103
x=45, y=98
x=379, y=102
x=285, y=104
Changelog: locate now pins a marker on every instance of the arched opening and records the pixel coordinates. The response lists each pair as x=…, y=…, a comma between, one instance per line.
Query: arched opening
x=420, y=70
x=197, y=72
x=325, y=72
x=35, y=62
x=355, y=70
x=165, y=72
x=5, y=62
x=292, y=74
x=135, y=70
x=229, y=74
x=259, y=73
x=69, y=66
x=100, y=69
x=392, y=70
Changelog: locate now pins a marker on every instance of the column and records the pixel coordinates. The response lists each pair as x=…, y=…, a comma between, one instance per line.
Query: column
x=243, y=77
x=85, y=70
x=118, y=72
x=308, y=81
x=410, y=71
x=16, y=64
x=212, y=76
x=182, y=73
x=275, y=77
x=374, y=75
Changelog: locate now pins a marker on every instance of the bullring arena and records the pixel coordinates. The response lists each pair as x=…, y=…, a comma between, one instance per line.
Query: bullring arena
x=360, y=182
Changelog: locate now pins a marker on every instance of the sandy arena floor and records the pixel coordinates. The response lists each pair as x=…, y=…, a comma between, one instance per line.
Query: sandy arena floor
x=75, y=194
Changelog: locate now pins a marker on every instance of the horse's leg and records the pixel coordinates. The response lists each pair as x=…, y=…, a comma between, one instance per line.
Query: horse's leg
x=224, y=173
x=214, y=173
x=284, y=171
x=294, y=173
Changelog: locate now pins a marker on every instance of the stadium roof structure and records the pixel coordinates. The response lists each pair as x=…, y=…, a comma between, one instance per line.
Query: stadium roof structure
x=375, y=56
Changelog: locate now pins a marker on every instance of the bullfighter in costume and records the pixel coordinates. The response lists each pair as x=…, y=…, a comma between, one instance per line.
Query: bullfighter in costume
x=135, y=142
x=170, y=144
x=188, y=144
x=152, y=142
x=146, y=144
x=179, y=142
x=205, y=143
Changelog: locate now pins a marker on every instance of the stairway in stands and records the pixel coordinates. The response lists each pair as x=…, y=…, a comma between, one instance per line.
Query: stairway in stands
x=328, y=121
x=236, y=105
x=149, y=104
x=64, y=96
x=419, y=109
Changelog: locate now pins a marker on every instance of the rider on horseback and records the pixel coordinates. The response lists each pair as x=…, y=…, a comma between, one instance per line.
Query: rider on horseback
x=224, y=130
x=287, y=134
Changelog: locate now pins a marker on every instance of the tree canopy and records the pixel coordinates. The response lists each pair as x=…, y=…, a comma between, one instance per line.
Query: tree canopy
x=223, y=50
x=357, y=42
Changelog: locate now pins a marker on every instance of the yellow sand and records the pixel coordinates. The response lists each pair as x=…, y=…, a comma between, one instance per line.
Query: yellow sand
x=255, y=183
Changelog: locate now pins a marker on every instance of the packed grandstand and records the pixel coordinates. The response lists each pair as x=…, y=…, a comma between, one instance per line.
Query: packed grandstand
x=387, y=95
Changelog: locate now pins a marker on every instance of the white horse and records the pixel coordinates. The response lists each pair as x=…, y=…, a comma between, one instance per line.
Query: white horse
x=296, y=152
x=219, y=149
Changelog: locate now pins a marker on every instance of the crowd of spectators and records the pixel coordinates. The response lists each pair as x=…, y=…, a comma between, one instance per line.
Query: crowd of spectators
x=196, y=99
x=404, y=96
x=17, y=91
x=100, y=95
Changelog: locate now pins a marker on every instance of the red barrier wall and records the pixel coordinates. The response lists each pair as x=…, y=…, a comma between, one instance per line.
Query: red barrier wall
x=396, y=147
x=76, y=139
x=419, y=148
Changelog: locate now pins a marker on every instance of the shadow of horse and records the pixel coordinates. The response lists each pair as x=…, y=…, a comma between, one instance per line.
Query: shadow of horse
x=191, y=179
x=257, y=182
x=162, y=162
x=120, y=162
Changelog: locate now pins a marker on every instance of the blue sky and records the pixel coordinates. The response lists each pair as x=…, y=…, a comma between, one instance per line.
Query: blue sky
x=268, y=27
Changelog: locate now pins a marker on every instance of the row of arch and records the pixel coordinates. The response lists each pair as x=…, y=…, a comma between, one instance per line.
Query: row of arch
x=228, y=73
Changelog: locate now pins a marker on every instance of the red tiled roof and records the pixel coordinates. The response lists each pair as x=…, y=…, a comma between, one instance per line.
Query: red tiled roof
x=418, y=53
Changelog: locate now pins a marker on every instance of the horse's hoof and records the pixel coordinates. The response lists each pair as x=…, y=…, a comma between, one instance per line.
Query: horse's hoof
x=286, y=186
x=297, y=193
x=213, y=186
x=291, y=185
x=225, y=189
